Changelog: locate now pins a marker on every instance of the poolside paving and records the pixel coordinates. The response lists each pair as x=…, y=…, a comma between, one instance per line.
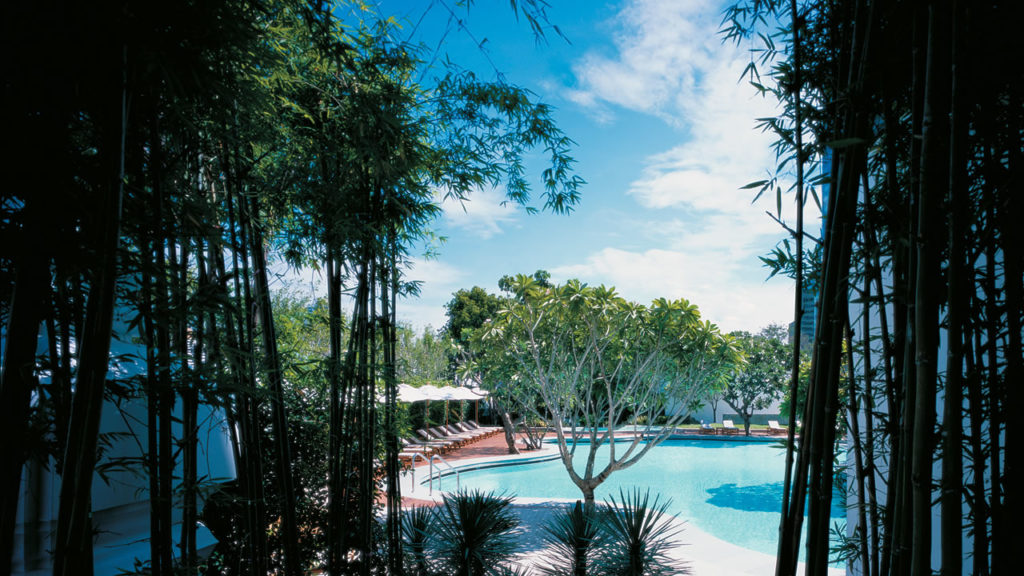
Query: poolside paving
x=490, y=447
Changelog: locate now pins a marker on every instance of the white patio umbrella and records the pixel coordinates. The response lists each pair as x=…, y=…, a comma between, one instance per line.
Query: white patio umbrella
x=407, y=393
x=474, y=395
x=463, y=393
x=425, y=393
x=472, y=383
x=446, y=393
x=460, y=393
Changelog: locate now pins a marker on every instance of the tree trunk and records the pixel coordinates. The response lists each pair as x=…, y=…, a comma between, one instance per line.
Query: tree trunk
x=979, y=509
x=19, y=360
x=73, y=545
x=510, y=432
x=334, y=503
x=589, y=502
x=934, y=185
x=798, y=303
x=389, y=294
x=853, y=411
x=870, y=569
x=957, y=304
x=248, y=406
x=288, y=499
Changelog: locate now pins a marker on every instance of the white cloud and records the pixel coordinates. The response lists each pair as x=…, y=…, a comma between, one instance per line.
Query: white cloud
x=665, y=63
x=668, y=64
x=483, y=214
x=716, y=287
x=438, y=281
x=661, y=51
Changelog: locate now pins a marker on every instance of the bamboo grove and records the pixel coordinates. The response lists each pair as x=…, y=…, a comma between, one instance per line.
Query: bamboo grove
x=911, y=112
x=159, y=153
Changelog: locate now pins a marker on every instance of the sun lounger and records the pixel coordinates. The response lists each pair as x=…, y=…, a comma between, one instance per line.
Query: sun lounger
x=408, y=457
x=729, y=428
x=425, y=449
x=458, y=427
x=442, y=432
x=774, y=428
x=434, y=438
x=444, y=436
x=491, y=429
x=454, y=432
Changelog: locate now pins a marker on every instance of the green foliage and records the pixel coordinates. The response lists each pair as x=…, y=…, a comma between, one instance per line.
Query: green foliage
x=583, y=358
x=764, y=376
x=469, y=310
x=423, y=358
x=474, y=532
x=639, y=536
x=417, y=531
x=573, y=544
x=801, y=396
x=303, y=338
x=196, y=137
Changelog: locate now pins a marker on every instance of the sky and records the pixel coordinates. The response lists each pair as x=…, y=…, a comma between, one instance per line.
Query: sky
x=666, y=138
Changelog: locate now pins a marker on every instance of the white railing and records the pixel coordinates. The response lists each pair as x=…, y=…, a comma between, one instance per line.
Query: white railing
x=450, y=467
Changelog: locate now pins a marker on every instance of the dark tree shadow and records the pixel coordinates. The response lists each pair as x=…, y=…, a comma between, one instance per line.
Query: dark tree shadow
x=533, y=518
x=758, y=498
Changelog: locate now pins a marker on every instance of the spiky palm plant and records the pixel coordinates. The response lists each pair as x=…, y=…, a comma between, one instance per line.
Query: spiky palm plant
x=417, y=525
x=639, y=534
x=474, y=532
x=511, y=571
x=573, y=543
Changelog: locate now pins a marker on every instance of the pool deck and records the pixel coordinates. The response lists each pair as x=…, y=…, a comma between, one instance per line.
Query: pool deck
x=705, y=554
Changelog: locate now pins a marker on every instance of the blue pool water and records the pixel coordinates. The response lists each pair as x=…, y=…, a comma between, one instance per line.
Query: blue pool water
x=731, y=490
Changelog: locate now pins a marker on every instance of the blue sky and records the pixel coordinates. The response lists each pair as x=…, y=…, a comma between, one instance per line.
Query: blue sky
x=665, y=139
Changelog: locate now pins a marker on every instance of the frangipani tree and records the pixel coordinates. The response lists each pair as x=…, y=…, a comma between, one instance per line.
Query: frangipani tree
x=596, y=361
x=764, y=376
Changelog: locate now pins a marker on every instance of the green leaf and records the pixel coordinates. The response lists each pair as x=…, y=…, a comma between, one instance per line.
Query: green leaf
x=756, y=184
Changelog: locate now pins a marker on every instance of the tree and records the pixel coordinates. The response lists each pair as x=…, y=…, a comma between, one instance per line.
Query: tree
x=762, y=378
x=713, y=399
x=596, y=361
x=468, y=312
x=422, y=358
x=920, y=257
x=161, y=169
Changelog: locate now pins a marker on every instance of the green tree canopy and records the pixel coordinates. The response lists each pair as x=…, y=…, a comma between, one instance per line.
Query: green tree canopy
x=468, y=310
x=763, y=377
x=596, y=361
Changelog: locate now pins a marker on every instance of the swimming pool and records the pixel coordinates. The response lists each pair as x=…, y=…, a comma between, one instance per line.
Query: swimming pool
x=729, y=489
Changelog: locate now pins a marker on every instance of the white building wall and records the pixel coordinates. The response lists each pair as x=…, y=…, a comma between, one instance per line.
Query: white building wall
x=121, y=501
x=723, y=411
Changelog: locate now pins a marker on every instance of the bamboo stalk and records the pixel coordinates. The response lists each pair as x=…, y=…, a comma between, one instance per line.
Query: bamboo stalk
x=73, y=546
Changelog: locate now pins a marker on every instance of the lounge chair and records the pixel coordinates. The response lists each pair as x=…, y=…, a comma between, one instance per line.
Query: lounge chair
x=729, y=428
x=430, y=437
x=474, y=433
x=491, y=429
x=437, y=446
x=444, y=432
x=774, y=428
x=425, y=449
x=454, y=432
x=407, y=458
x=445, y=436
